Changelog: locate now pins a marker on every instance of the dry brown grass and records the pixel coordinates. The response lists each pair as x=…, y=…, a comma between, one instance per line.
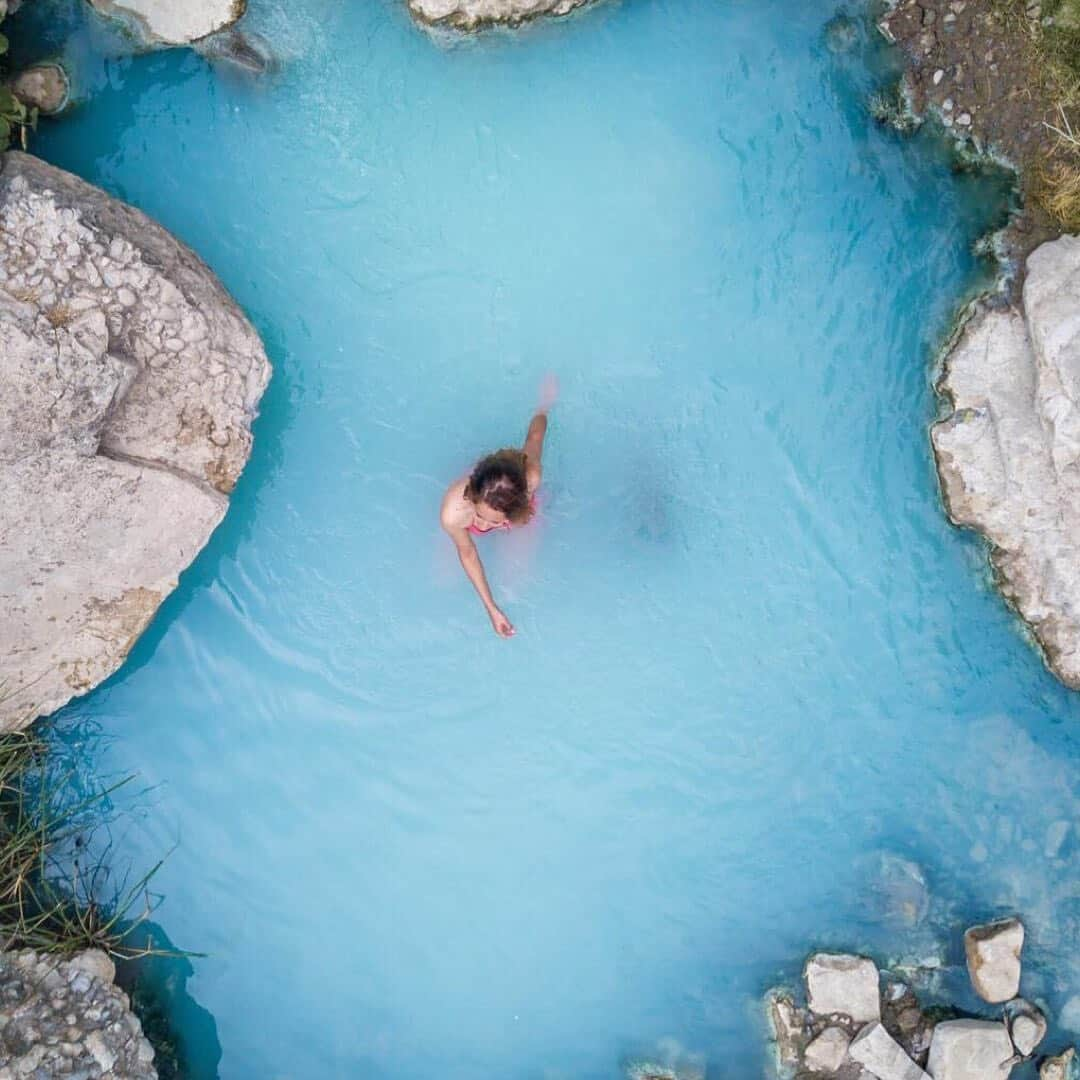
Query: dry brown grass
x=1056, y=189
x=24, y=294
x=59, y=316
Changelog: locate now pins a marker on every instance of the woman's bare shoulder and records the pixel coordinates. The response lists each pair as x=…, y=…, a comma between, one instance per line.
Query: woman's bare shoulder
x=456, y=511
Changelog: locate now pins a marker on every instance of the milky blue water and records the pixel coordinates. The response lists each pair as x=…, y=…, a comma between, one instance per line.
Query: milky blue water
x=752, y=656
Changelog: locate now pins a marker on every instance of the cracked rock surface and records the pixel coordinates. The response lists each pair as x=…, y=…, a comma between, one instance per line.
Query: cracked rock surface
x=128, y=383
x=1009, y=454
x=66, y=1018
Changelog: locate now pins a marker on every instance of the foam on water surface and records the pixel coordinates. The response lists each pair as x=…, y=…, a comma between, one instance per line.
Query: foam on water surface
x=755, y=667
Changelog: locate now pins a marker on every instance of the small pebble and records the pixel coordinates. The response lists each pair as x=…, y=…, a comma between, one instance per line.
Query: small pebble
x=964, y=119
x=938, y=76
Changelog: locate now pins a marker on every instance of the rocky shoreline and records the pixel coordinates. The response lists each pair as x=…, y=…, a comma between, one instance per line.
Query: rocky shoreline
x=971, y=65
x=854, y=1022
x=1008, y=450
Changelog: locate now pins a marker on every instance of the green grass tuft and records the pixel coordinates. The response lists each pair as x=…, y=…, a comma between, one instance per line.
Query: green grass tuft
x=54, y=896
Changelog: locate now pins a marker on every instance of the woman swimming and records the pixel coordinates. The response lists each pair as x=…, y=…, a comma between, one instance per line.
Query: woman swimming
x=498, y=494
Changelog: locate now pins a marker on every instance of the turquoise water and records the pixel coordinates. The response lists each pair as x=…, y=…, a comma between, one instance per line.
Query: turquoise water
x=752, y=656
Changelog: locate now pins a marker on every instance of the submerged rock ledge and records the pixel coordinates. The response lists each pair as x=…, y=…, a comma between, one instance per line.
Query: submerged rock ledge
x=1008, y=455
x=128, y=383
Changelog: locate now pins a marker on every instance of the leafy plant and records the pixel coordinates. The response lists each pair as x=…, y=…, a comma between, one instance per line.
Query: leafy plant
x=15, y=118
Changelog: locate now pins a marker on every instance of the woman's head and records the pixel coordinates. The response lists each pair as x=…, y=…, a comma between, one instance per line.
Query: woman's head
x=499, y=488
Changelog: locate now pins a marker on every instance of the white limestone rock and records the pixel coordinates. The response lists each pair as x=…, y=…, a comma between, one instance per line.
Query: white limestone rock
x=474, y=14
x=1027, y=1026
x=1027, y=1032
x=879, y=1053
x=128, y=383
x=174, y=22
x=837, y=983
x=1061, y=1067
x=993, y=959
x=828, y=1051
x=1009, y=454
x=970, y=1050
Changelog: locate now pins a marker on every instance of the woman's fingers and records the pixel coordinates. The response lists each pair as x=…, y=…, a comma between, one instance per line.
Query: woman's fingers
x=549, y=391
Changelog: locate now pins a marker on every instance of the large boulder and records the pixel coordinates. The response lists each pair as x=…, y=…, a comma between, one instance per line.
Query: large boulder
x=174, y=22
x=993, y=959
x=970, y=1050
x=837, y=983
x=473, y=14
x=1008, y=455
x=128, y=383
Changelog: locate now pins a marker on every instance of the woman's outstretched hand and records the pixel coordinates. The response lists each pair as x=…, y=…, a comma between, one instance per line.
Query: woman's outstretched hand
x=549, y=392
x=501, y=624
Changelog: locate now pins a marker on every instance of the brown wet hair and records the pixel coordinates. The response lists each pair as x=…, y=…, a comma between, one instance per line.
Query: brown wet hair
x=500, y=481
